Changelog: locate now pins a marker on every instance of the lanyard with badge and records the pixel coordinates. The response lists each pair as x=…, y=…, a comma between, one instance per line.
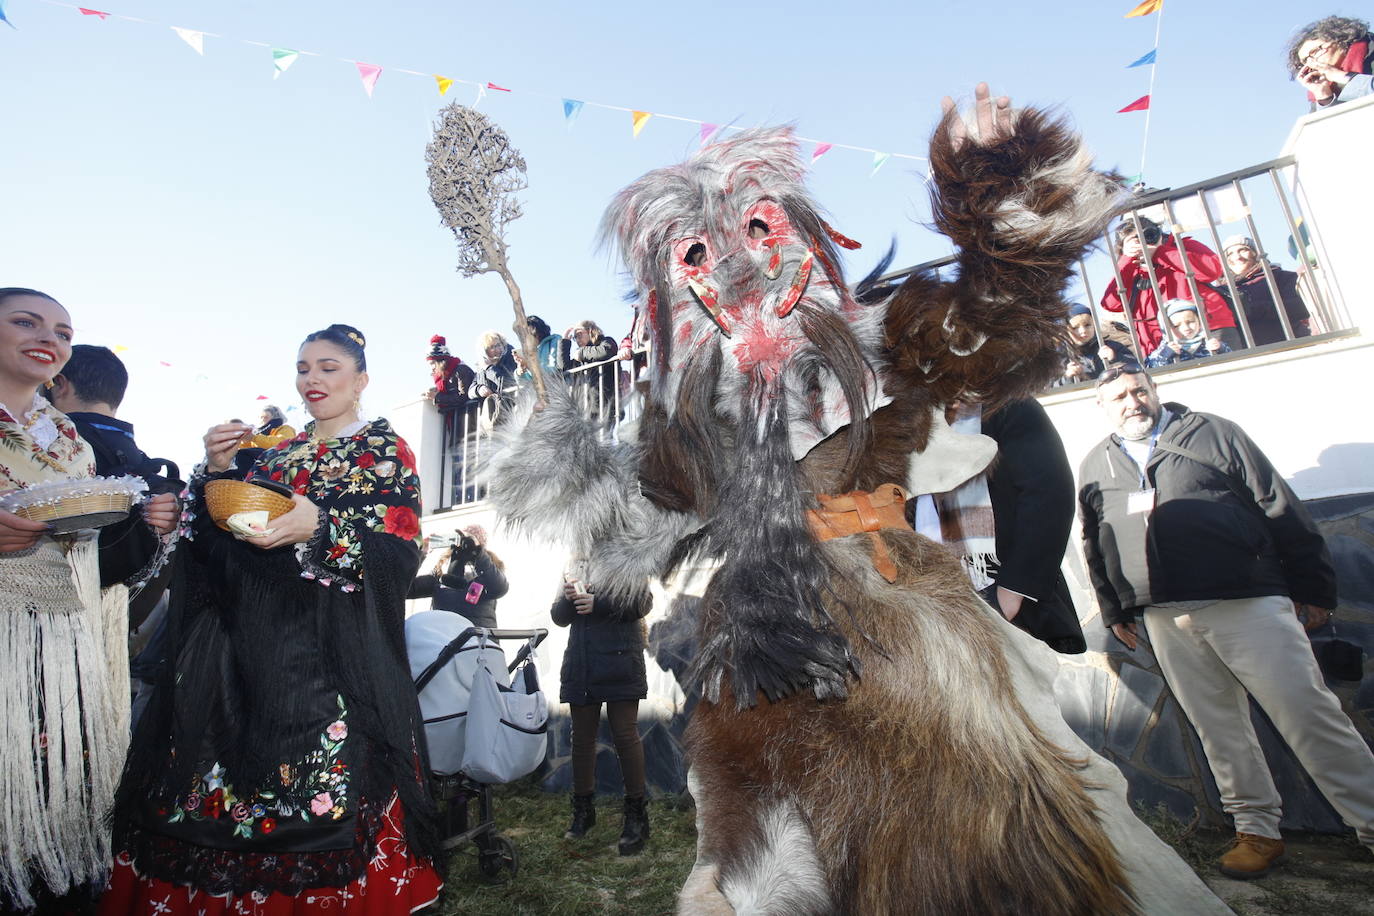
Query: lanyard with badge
x=1142, y=501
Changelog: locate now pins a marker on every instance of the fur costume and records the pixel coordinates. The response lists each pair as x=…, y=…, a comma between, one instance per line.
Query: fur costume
x=860, y=746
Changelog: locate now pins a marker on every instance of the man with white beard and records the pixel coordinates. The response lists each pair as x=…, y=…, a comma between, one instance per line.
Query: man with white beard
x=1187, y=525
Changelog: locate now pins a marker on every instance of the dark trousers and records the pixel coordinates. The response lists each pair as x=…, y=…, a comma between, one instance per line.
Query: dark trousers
x=623, y=716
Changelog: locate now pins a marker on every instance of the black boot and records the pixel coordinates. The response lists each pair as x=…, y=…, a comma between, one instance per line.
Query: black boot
x=584, y=816
x=636, y=828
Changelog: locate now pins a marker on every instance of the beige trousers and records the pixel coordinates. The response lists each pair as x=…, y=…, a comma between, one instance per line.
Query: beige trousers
x=1212, y=658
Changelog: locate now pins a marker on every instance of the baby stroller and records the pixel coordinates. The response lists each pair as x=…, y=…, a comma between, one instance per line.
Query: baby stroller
x=445, y=653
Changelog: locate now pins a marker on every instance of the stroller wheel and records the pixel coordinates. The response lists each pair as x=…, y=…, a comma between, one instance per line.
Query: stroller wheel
x=497, y=860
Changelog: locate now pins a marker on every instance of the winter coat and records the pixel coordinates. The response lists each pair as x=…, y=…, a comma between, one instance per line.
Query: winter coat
x=1257, y=302
x=604, y=661
x=1169, y=352
x=451, y=590
x=1229, y=528
x=1173, y=283
x=1031, y=488
x=593, y=389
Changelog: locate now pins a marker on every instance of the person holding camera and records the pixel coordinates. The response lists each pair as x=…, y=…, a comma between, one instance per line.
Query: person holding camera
x=465, y=578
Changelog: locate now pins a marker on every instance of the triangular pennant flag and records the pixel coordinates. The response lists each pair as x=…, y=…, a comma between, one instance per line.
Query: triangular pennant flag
x=444, y=82
x=638, y=119
x=497, y=88
x=193, y=38
x=878, y=160
x=1146, y=8
x=1139, y=104
x=708, y=131
x=261, y=397
x=281, y=59
x=164, y=363
x=4, y=18
x=1147, y=59
x=1130, y=180
x=369, y=74
x=120, y=348
x=86, y=12
x=820, y=150
x=571, y=109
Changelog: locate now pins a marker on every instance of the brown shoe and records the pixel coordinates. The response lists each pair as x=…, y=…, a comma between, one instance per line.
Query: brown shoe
x=1252, y=856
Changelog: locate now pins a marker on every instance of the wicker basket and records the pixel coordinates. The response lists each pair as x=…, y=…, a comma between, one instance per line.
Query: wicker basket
x=229, y=497
x=72, y=513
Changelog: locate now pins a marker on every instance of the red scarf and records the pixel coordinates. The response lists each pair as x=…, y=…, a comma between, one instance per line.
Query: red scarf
x=1353, y=62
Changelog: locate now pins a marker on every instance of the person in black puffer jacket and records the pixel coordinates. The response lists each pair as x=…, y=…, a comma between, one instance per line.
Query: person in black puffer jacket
x=604, y=663
x=466, y=579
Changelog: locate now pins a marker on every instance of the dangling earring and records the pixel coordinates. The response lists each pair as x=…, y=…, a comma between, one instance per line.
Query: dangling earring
x=49, y=384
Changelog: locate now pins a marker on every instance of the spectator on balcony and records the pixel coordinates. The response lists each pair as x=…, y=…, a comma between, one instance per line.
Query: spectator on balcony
x=547, y=350
x=452, y=377
x=1150, y=245
x=1085, y=357
x=1256, y=299
x=1190, y=342
x=1333, y=59
x=493, y=388
x=594, y=388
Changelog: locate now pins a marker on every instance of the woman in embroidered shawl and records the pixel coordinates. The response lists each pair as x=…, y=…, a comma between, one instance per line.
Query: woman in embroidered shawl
x=280, y=764
x=64, y=680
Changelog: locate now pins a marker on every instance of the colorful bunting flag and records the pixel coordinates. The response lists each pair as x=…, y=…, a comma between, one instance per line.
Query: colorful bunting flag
x=369, y=74
x=497, y=88
x=120, y=348
x=1130, y=180
x=571, y=109
x=1139, y=104
x=193, y=38
x=820, y=150
x=444, y=82
x=4, y=18
x=878, y=160
x=708, y=131
x=281, y=59
x=1146, y=8
x=1147, y=59
x=164, y=363
x=638, y=119
x=86, y=12
x=261, y=397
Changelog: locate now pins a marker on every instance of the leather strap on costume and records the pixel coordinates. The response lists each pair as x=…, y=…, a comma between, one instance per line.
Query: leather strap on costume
x=861, y=512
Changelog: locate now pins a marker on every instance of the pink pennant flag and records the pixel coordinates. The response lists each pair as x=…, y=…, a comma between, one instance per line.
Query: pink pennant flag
x=708, y=131
x=821, y=150
x=163, y=363
x=497, y=88
x=86, y=12
x=369, y=74
x=261, y=397
x=1139, y=104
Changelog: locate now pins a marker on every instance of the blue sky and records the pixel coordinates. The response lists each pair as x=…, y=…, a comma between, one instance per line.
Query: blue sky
x=203, y=214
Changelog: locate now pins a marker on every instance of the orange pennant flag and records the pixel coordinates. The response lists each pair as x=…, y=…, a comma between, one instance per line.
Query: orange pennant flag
x=1146, y=8
x=639, y=119
x=444, y=82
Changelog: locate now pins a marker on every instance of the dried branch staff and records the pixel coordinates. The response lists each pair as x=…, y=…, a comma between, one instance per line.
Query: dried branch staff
x=474, y=174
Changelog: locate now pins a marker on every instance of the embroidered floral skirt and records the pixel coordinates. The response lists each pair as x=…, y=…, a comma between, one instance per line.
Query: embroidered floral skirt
x=393, y=883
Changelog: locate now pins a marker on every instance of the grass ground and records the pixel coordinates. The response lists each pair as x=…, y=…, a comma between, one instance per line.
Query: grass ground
x=1325, y=876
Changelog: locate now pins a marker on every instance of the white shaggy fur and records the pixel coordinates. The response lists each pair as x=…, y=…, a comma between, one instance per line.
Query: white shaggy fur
x=782, y=876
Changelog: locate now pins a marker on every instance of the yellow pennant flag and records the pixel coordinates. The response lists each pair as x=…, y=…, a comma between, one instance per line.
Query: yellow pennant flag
x=444, y=82
x=120, y=348
x=1146, y=8
x=639, y=119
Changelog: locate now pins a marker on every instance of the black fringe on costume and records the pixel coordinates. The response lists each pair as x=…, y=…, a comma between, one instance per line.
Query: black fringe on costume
x=765, y=627
x=233, y=688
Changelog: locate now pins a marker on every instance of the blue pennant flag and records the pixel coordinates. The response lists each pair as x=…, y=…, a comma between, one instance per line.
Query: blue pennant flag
x=1147, y=59
x=571, y=109
x=4, y=18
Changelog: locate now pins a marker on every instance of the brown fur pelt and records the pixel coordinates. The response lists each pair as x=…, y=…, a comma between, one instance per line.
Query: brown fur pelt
x=963, y=809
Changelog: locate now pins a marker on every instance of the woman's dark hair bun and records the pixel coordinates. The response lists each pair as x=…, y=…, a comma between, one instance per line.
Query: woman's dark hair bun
x=350, y=332
x=347, y=337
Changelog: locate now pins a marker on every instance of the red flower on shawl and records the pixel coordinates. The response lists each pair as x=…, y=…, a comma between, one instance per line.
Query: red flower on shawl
x=267, y=825
x=300, y=481
x=366, y=460
x=69, y=432
x=402, y=522
x=406, y=456
x=214, y=803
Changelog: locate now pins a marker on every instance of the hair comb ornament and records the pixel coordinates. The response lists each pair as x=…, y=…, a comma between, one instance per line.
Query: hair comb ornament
x=357, y=338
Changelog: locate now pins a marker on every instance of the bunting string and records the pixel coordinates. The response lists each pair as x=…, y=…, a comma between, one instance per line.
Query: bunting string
x=1146, y=8
x=370, y=74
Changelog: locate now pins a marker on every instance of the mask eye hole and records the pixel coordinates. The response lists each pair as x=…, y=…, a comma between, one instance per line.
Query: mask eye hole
x=757, y=228
x=695, y=256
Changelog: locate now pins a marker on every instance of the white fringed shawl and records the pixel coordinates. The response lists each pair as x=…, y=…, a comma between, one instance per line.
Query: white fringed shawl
x=64, y=685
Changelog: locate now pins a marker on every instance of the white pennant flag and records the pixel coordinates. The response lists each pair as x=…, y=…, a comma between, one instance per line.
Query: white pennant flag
x=193, y=38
